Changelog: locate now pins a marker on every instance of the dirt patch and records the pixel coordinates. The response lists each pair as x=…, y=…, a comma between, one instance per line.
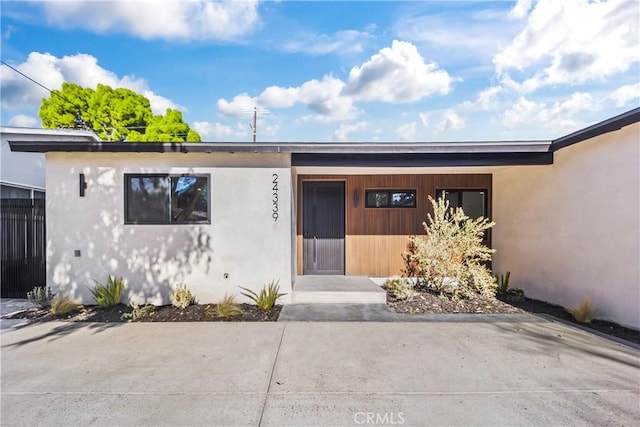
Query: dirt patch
x=610, y=328
x=165, y=313
x=429, y=302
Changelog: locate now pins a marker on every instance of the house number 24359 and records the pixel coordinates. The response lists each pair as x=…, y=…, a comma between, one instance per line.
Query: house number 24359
x=274, y=212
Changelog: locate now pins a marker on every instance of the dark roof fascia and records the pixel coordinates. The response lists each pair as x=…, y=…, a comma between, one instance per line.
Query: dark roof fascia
x=420, y=159
x=609, y=125
x=295, y=148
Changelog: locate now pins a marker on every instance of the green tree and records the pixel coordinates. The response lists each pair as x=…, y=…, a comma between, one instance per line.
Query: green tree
x=114, y=114
x=63, y=106
x=170, y=128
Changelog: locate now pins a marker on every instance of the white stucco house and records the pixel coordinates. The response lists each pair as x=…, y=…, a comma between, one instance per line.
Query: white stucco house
x=217, y=216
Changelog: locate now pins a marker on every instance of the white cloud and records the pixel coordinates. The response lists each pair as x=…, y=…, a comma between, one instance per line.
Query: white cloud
x=571, y=42
x=346, y=41
x=239, y=106
x=348, y=128
x=23, y=121
x=557, y=116
x=397, y=74
x=323, y=97
x=424, y=118
x=148, y=19
x=243, y=131
x=212, y=130
x=267, y=130
x=451, y=120
x=406, y=131
x=458, y=35
x=279, y=97
x=485, y=99
x=625, y=94
x=521, y=9
x=82, y=69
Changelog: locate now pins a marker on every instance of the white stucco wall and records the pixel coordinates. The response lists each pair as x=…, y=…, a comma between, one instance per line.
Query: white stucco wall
x=571, y=229
x=243, y=240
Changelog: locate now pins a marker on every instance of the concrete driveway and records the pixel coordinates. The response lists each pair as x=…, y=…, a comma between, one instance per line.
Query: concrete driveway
x=531, y=372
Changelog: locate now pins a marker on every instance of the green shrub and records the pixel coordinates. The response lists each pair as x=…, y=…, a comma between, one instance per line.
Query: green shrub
x=452, y=258
x=138, y=312
x=110, y=294
x=401, y=289
x=40, y=296
x=514, y=295
x=62, y=304
x=585, y=312
x=267, y=297
x=228, y=307
x=182, y=297
x=502, y=282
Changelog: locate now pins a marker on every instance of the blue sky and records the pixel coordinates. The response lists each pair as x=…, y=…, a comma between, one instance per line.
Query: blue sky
x=340, y=70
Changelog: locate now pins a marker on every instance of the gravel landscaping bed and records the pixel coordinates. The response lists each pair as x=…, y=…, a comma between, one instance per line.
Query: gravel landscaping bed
x=165, y=313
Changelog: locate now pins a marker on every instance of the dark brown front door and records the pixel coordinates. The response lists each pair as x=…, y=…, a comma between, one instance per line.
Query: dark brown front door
x=323, y=227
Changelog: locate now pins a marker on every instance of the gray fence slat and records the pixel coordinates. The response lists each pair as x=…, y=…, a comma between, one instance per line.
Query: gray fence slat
x=22, y=254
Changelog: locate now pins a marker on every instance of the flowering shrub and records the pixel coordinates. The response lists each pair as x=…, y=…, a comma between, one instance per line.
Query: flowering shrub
x=451, y=259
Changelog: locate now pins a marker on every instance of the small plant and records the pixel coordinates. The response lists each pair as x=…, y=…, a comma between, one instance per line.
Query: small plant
x=585, y=312
x=411, y=259
x=182, y=297
x=401, y=289
x=228, y=307
x=138, y=312
x=63, y=304
x=514, y=295
x=110, y=294
x=267, y=297
x=502, y=282
x=40, y=296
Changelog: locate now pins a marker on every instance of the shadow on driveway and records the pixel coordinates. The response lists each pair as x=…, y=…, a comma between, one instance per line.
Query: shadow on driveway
x=59, y=331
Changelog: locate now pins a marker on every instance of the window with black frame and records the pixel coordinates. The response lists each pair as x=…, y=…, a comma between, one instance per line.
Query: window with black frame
x=390, y=198
x=166, y=199
x=472, y=202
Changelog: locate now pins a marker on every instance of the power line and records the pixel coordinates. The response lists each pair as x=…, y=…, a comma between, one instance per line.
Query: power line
x=38, y=83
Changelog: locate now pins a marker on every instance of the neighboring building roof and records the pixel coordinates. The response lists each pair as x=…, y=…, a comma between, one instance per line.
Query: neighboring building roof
x=481, y=153
x=24, y=134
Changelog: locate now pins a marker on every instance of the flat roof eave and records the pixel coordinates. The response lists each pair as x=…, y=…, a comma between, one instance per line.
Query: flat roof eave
x=275, y=147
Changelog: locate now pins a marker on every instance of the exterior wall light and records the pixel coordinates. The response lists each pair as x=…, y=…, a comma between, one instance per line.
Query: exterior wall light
x=83, y=185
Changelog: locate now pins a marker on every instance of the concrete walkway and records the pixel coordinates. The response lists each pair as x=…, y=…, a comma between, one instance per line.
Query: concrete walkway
x=311, y=373
x=322, y=289
x=383, y=313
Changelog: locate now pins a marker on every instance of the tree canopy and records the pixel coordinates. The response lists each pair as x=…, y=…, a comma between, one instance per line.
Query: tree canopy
x=114, y=114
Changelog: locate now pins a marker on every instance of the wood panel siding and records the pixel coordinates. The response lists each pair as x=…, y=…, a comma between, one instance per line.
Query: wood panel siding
x=375, y=255
x=376, y=237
